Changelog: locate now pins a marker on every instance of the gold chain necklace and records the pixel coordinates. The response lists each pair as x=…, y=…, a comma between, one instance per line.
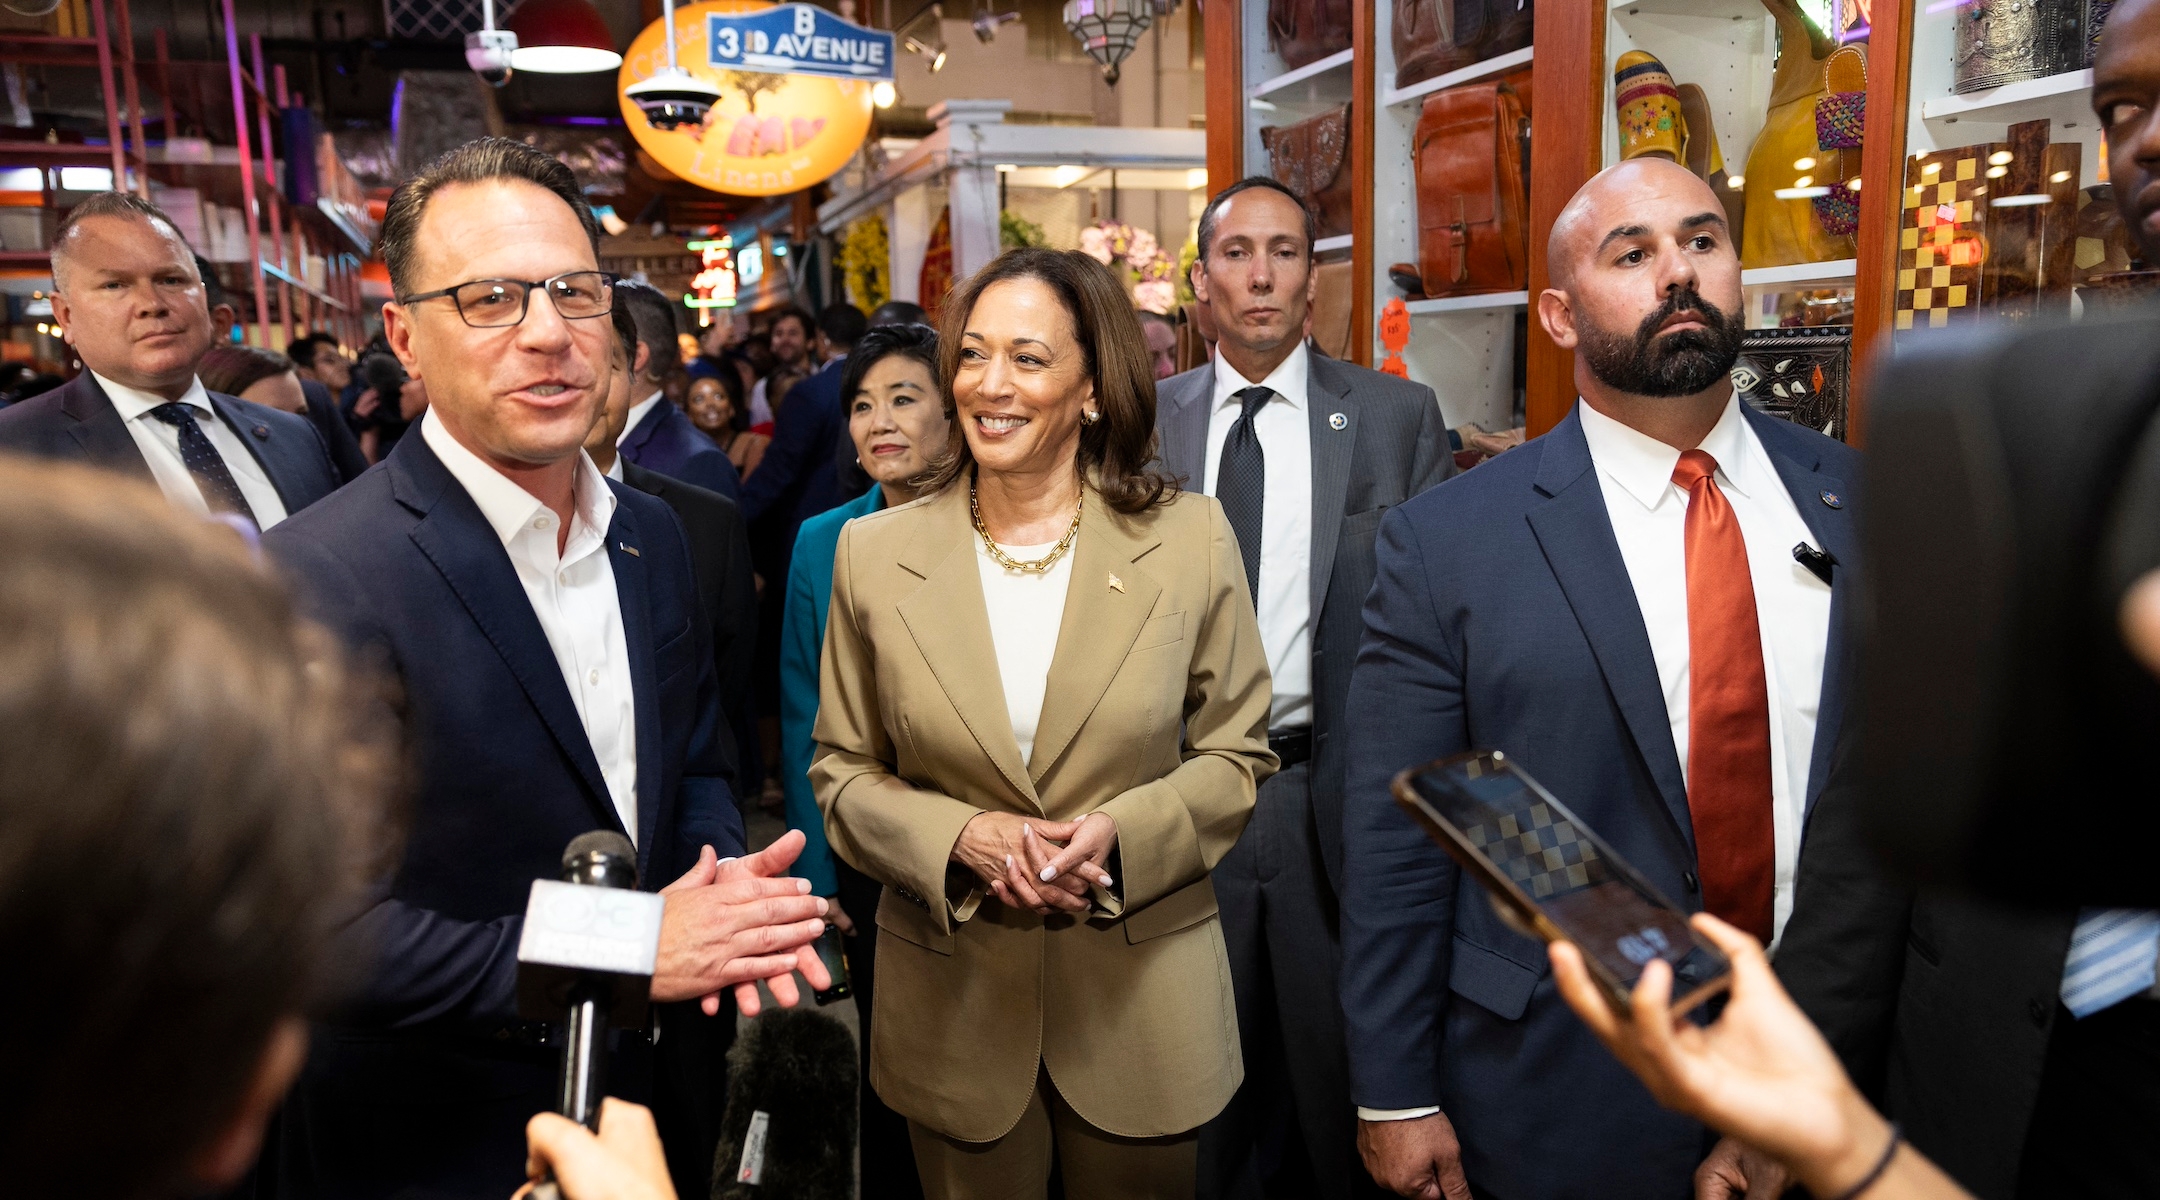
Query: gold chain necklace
x=1007, y=561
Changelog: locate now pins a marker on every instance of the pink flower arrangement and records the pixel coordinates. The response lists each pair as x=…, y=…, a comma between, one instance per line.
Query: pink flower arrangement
x=1115, y=243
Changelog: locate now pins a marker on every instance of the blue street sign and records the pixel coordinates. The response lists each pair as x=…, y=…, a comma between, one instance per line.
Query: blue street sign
x=798, y=39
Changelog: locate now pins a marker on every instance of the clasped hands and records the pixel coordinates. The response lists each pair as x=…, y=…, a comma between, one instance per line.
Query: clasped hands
x=731, y=924
x=1043, y=866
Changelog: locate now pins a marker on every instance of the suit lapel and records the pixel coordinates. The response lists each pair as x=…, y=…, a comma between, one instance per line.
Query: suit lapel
x=951, y=627
x=1099, y=626
x=1185, y=425
x=1333, y=451
x=1834, y=532
x=98, y=430
x=463, y=547
x=633, y=592
x=1575, y=532
x=645, y=429
x=263, y=442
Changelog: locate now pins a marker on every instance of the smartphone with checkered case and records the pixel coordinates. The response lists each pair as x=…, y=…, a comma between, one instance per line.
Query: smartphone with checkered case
x=1551, y=878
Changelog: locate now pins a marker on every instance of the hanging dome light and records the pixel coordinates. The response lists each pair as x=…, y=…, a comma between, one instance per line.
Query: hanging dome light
x=1107, y=29
x=1163, y=8
x=561, y=37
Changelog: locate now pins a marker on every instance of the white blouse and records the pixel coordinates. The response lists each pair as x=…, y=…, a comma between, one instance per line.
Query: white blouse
x=1026, y=610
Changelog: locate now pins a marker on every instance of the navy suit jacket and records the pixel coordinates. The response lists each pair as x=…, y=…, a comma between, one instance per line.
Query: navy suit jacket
x=666, y=441
x=1502, y=617
x=76, y=422
x=794, y=480
x=403, y=565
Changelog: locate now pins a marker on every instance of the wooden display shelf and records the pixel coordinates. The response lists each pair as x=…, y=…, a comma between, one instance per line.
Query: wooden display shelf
x=1339, y=61
x=1416, y=92
x=1484, y=302
x=55, y=154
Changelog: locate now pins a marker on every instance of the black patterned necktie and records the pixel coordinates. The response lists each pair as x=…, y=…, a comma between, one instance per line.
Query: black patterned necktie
x=219, y=490
x=1241, y=484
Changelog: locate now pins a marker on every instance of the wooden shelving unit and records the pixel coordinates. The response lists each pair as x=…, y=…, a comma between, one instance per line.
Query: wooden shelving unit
x=1473, y=350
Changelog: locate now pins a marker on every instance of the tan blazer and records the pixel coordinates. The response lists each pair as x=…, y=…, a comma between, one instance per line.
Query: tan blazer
x=1130, y=1010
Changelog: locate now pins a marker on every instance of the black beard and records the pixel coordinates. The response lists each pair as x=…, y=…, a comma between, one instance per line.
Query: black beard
x=1679, y=364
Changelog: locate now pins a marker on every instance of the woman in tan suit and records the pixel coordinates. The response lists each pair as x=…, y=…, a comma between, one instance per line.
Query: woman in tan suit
x=1044, y=715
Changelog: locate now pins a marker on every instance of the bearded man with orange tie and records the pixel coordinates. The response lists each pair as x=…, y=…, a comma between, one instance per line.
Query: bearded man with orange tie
x=1647, y=608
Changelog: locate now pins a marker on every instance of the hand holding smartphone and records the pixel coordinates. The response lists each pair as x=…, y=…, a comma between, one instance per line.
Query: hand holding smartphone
x=1551, y=878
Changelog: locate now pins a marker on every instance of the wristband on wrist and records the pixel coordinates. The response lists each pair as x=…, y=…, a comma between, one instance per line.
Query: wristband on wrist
x=1897, y=1138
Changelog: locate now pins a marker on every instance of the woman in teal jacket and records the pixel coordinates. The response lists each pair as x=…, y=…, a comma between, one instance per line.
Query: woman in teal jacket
x=897, y=425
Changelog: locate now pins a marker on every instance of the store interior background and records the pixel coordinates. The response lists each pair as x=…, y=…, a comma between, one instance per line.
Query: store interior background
x=372, y=88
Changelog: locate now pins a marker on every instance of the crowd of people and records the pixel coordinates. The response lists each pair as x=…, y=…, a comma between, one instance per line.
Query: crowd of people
x=1079, y=683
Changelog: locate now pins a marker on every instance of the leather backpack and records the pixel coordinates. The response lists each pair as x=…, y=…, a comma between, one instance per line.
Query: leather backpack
x=1472, y=198
x=1432, y=40
x=1306, y=31
x=1312, y=159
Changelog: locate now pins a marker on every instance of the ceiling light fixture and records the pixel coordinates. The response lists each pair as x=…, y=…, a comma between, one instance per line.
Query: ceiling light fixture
x=986, y=22
x=931, y=42
x=673, y=98
x=1108, y=29
x=562, y=37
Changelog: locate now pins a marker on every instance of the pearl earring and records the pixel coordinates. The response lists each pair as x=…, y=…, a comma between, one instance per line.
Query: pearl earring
x=1089, y=417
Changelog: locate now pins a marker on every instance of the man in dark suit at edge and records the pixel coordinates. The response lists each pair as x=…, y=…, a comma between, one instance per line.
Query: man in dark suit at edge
x=659, y=436
x=2018, y=1047
x=1304, y=453
x=1620, y=605
x=128, y=296
x=690, y=1063
x=540, y=625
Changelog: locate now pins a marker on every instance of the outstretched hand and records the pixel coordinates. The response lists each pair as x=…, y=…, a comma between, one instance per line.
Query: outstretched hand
x=730, y=925
x=1760, y=1073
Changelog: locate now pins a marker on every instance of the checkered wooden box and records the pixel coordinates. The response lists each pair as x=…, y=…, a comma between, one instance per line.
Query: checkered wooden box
x=1942, y=236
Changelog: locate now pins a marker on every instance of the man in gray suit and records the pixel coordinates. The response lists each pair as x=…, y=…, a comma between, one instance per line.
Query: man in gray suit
x=1304, y=453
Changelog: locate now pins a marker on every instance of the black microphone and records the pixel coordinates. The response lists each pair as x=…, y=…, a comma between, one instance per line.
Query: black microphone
x=586, y=959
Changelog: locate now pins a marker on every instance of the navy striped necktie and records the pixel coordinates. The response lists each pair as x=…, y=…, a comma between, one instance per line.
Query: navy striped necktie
x=219, y=490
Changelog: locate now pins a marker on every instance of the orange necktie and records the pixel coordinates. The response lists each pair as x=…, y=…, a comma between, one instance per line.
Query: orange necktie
x=1728, y=710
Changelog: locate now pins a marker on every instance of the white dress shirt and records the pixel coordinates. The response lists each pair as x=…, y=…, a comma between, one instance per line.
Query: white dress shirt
x=760, y=406
x=160, y=446
x=572, y=593
x=1284, y=600
x=1792, y=607
x=1026, y=611
x=637, y=414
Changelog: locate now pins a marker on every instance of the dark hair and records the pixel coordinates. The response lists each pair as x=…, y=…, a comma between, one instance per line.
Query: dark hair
x=305, y=349
x=478, y=161
x=213, y=288
x=655, y=318
x=1212, y=214
x=918, y=342
x=899, y=312
x=842, y=325
x=730, y=381
x=1148, y=314
x=234, y=369
x=792, y=313
x=191, y=797
x=1117, y=450
x=626, y=326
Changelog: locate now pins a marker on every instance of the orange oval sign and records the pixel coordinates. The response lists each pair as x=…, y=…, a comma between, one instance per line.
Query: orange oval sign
x=768, y=135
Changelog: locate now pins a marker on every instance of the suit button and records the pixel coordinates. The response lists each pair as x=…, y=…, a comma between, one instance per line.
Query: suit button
x=2039, y=1010
x=1689, y=879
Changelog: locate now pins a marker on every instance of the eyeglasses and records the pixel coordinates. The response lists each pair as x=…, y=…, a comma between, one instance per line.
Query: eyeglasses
x=498, y=303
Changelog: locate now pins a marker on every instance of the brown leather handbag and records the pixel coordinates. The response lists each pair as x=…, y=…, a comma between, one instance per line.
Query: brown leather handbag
x=1312, y=159
x=1306, y=31
x=1472, y=201
x=1432, y=40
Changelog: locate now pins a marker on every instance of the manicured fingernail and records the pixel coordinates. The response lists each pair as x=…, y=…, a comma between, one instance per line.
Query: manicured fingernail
x=1048, y=874
x=1106, y=881
x=1027, y=831
x=1008, y=860
x=802, y=885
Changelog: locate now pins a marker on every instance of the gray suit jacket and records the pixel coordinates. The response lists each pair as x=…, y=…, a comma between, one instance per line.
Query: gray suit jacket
x=1391, y=445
